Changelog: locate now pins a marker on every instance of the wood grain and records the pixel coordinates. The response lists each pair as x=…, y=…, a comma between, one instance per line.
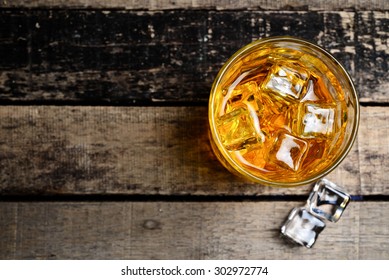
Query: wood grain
x=131, y=182
x=373, y=150
x=148, y=57
x=183, y=230
x=203, y=4
x=151, y=150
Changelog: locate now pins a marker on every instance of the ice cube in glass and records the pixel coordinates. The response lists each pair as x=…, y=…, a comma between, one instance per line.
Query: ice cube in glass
x=315, y=120
x=245, y=93
x=288, y=151
x=287, y=80
x=237, y=129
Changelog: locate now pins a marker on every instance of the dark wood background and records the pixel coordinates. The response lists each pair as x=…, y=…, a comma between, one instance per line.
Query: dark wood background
x=104, y=150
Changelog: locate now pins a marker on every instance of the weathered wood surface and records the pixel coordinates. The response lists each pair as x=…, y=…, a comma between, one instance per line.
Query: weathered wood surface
x=151, y=150
x=204, y=4
x=183, y=230
x=141, y=182
x=146, y=57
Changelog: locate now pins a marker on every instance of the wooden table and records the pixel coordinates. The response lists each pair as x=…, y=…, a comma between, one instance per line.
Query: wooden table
x=104, y=151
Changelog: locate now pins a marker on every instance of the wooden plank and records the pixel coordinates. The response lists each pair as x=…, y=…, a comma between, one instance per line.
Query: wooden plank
x=151, y=150
x=144, y=57
x=374, y=150
x=188, y=4
x=183, y=230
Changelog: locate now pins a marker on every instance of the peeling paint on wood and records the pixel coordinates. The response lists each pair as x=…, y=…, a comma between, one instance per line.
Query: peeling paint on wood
x=142, y=57
x=202, y=4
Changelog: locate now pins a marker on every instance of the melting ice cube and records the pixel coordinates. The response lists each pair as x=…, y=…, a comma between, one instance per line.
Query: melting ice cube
x=315, y=120
x=286, y=79
x=246, y=94
x=327, y=200
x=239, y=128
x=288, y=151
x=255, y=157
x=310, y=94
x=302, y=227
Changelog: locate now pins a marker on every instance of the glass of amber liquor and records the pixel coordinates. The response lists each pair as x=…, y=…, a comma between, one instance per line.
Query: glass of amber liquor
x=282, y=112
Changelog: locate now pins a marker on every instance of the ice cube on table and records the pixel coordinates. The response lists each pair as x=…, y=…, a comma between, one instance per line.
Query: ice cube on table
x=239, y=129
x=327, y=200
x=315, y=120
x=302, y=227
x=288, y=151
x=287, y=80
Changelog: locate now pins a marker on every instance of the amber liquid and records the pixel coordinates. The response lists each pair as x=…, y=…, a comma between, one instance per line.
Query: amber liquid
x=280, y=114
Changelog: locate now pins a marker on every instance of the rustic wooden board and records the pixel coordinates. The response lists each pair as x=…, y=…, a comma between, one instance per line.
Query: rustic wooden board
x=188, y=4
x=141, y=182
x=374, y=149
x=77, y=56
x=151, y=150
x=183, y=230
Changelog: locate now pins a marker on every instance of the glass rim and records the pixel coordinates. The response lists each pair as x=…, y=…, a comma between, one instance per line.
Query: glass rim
x=228, y=158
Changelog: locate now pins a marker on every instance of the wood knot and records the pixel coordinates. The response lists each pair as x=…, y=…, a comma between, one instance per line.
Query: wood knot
x=151, y=224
